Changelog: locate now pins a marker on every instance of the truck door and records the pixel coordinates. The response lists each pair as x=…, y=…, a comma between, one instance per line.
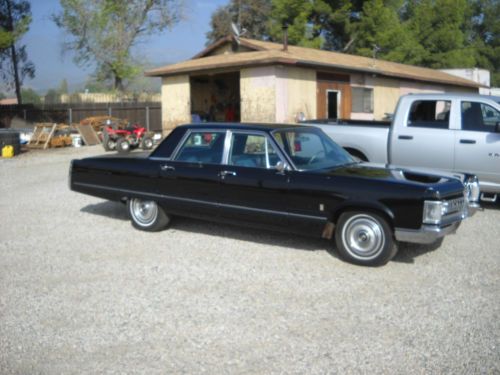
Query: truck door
x=477, y=146
x=425, y=140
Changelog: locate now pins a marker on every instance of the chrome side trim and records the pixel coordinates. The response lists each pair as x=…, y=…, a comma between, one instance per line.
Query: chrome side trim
x=198, y=201
x=427, y=234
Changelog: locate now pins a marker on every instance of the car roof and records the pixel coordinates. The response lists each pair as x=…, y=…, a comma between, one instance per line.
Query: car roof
x=243, y=126
x=455, y=96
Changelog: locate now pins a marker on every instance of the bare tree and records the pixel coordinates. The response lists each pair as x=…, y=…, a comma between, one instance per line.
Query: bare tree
x=104, y=31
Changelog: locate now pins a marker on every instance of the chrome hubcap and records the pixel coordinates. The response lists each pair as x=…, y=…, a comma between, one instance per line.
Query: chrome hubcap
x=363, y=237
x=144, y=212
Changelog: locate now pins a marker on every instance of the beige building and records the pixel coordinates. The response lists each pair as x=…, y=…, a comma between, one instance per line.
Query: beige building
x=254, y=81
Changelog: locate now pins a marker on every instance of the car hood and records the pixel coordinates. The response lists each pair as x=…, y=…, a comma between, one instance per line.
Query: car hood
x=436, y=183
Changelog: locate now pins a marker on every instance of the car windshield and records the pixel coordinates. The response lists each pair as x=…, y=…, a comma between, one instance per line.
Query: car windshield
x=311, y=149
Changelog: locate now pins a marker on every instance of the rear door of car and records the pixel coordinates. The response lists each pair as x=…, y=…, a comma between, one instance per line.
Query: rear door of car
x=190, y=180
x=477, y=145
x=252, y=189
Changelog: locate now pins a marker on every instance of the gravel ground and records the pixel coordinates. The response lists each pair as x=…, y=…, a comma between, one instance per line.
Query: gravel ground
x=81, y=291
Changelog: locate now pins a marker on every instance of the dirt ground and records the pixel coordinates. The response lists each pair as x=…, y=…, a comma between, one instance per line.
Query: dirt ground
x=81, y=291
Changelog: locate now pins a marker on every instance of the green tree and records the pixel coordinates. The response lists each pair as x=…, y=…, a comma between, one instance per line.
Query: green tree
x=104, y=31
x=485, y=33
x=323, y=24
x=380, y=33
x=30, y=96
x=440, y=27
x=249, y=15
x=15, y=18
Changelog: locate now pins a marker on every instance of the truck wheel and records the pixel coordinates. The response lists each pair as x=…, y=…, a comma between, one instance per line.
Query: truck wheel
x=123, y=146
x=147, y=215
x=147, y=143
x=364, y=238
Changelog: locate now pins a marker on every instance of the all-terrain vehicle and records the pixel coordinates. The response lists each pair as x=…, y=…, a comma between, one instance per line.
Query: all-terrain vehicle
x=124, y=140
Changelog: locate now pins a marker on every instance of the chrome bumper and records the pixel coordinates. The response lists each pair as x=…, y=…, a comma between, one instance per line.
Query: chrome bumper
x=428, y=234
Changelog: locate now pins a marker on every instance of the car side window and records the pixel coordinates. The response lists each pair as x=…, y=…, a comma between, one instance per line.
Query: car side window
x=479, y=117
x=252, y=150
x=202, y=147
x=434, y=114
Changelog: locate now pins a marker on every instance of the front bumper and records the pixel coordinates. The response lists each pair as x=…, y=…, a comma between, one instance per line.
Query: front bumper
x=428, y=234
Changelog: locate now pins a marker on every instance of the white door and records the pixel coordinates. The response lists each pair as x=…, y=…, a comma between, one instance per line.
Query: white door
x=425, y=140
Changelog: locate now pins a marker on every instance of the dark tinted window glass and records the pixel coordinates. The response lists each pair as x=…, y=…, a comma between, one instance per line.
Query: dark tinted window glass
x=202, y=147
x=252, y=150
x=430, y=114
x=479, y=117
x=168, y=145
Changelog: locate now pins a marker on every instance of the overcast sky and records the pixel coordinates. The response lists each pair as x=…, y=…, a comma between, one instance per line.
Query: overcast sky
x=44, y=41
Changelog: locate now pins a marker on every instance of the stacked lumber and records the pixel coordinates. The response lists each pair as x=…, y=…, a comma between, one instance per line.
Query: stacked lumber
x=98, y=122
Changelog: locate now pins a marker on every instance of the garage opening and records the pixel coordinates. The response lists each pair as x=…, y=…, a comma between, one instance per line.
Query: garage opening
x=215, y=97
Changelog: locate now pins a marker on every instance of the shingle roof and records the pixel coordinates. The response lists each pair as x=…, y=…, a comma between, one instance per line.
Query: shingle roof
x=267, y=53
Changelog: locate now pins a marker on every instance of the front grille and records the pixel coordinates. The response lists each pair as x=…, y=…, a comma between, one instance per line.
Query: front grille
x=455, y=205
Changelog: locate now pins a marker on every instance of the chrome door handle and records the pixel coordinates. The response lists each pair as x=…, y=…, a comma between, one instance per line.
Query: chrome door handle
x=227, y=173
x=166, y=167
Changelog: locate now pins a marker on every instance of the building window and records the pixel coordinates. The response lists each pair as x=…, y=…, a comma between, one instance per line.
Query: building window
x=362, y=100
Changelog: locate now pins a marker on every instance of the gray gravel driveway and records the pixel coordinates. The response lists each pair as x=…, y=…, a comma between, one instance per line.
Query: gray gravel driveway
x=81, y=291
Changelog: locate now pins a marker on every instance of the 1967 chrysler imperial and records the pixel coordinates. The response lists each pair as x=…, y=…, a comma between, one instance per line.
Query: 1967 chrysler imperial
x=283, y=177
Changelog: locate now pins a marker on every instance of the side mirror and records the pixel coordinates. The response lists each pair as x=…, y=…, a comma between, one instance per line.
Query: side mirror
x=281, y=166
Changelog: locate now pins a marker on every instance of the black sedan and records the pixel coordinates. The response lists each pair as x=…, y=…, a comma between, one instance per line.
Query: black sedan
x=281, y=177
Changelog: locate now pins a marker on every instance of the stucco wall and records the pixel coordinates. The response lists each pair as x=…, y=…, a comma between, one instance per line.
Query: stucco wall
x=175, y=102
x=258, y=94
x=295, y=92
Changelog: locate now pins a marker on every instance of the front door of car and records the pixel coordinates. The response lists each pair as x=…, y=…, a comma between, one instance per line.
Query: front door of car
x=190, y=181
x=425, y=140
x=477, y=146
x=252, y=189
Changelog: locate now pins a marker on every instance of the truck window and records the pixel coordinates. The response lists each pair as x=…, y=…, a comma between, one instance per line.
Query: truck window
x=479, y=117
x=430, y=114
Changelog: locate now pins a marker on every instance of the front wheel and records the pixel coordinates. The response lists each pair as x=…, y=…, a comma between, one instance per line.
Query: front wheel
x=147, y=215
x=147, y=143
x=123, y=146
x=364, y=238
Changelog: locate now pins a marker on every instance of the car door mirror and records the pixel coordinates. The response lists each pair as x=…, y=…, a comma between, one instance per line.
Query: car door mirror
x=281, y=166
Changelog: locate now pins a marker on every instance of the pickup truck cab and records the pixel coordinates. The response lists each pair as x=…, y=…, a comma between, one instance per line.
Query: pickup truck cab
x=448, y=132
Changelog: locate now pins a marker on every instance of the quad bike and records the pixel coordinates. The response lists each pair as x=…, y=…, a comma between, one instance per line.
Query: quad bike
x=124, y=140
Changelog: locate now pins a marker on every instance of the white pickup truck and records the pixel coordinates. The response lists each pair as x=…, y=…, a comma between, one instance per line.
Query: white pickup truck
x=451, y=132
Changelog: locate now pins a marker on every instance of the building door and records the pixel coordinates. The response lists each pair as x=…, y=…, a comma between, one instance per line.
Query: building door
x=332, y=105
x=333, y=96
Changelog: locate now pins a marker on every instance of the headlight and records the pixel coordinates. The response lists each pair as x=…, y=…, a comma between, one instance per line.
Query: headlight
x=433, y=212
x=472, y=191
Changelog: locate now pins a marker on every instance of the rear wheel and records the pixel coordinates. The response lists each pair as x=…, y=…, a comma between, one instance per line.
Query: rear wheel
x=108, y=143
x=364, y=238
x=147, y=215
x=123, y=146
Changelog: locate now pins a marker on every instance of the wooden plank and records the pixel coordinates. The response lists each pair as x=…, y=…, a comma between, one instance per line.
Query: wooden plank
x=46, y=144
x=88, y=134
